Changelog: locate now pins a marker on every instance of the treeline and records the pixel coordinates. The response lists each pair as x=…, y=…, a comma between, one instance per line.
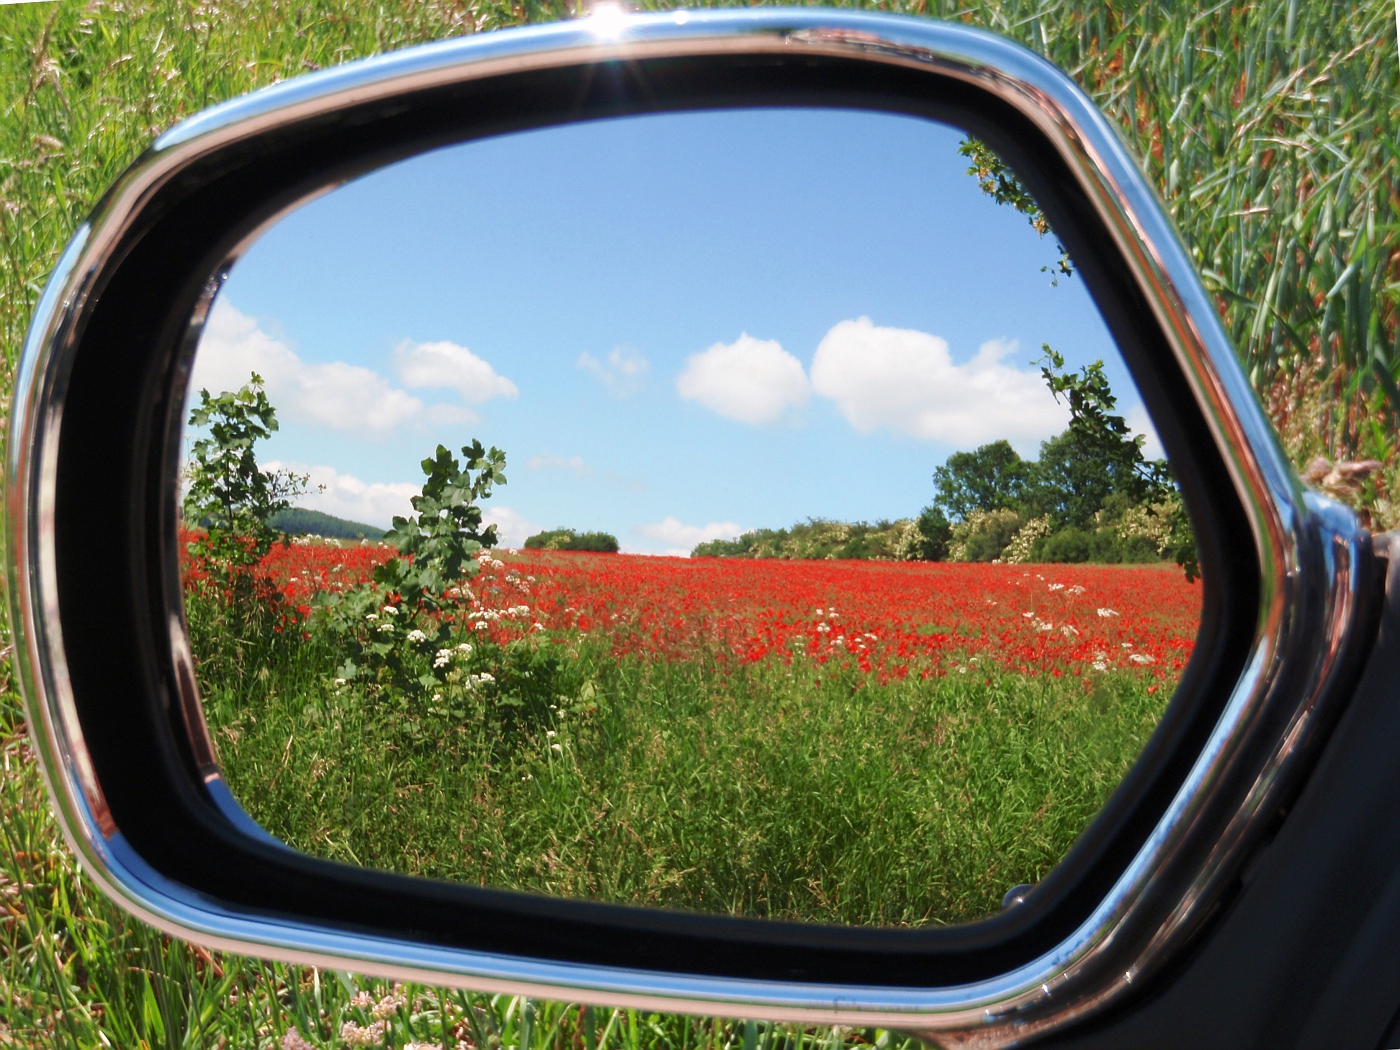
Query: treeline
x=819, y=538
x=1090, y=495
x=569, y=540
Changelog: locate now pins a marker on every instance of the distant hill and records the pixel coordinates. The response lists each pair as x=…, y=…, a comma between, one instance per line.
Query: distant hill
x=299, y=522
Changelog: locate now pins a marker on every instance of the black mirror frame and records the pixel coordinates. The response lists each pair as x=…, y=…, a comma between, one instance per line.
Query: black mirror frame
x=108, y=679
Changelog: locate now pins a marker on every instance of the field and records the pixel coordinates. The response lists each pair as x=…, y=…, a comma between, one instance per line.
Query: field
x=1269, y=128
x=862, y=742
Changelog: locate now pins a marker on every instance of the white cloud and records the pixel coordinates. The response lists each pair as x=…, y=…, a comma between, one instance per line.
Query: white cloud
x=679, y=539
x=512, y=527
x=447, y=364
x=549, y=461
x=336, y=395
x=622, y=373
x=906, y=380
x=750, y=380
x=346, y=496
x=1141, y=423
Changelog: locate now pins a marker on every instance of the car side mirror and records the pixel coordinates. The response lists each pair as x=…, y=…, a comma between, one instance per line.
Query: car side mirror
x=114, y=359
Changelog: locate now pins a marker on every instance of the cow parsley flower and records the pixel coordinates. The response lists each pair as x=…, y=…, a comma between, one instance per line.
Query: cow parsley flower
x=352, y=1035
x=388, y=1006
x=416, y=636
x=1107, y=612
x=391, y=610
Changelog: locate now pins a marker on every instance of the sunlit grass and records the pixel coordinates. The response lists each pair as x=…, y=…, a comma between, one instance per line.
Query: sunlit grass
x=790, y=790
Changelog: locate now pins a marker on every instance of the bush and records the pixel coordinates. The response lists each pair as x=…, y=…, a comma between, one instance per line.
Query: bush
x=569, y=540
x=1104, y=546
x=934, y=534
x=983, y=535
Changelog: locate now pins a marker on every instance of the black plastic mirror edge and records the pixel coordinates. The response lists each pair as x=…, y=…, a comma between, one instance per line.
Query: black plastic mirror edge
x=1301, y=596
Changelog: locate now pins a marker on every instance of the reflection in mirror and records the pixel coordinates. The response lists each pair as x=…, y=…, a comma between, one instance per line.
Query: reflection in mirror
x=743, y=512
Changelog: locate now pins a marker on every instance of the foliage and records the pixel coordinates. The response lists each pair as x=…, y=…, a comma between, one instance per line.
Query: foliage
x=935, y=532
x=393, y=631
x=569, y=540
x=820, y=538
x=990, y=478
x=227, y=495
x=295, y=521
x=1096, y=457
x=1000, y=183
x=983, y=535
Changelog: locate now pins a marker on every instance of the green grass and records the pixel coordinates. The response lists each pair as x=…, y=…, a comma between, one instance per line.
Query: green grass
x=798, y=791
x=1269, y=128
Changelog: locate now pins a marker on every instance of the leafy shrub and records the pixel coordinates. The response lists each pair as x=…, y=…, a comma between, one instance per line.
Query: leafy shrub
x=983, y=535
x=569, y=540
x=934, y=534
x=392, y=629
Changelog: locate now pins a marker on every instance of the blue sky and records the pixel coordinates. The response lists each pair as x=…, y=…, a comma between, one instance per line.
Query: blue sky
x=676, y=326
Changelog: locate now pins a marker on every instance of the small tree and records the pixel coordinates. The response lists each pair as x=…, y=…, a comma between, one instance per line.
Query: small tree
x=227, y=494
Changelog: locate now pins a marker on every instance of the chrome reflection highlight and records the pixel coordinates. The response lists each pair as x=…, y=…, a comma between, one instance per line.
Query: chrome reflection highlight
x=1309, y=547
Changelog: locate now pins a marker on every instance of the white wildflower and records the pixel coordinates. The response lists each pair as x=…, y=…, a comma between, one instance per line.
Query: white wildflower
x=537, y=626
x=352, y=1035
x=556, y=747
x=1076, y=589
x=1099, y=665
x=1028, y=615
x=1141, y=658
x=437, y=698
x=385, y=628
x=340, y=681
x=465, y=649
x=823, y=628
x=416, y=636
x=1126, y=645
x=371, y=616
x=390, y=610
x=549, y=733
x=1067, y=630
x=363, y=1000
x=1107, y=612
x=480, y=625
x=293, y=1041
x=1057, y=586
x=388, y=1006
x=485, y=677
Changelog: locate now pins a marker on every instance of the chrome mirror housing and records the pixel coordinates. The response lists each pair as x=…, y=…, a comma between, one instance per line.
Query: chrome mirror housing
x=108, y=678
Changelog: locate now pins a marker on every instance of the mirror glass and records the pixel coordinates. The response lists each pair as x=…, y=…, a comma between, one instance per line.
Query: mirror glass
x=746, y=512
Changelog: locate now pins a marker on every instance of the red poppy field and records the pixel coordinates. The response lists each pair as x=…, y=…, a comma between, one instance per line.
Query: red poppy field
x=860, y=742
x=891, y=618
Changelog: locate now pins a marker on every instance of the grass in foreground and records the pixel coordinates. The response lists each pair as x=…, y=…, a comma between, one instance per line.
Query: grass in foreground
x=795, y=790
